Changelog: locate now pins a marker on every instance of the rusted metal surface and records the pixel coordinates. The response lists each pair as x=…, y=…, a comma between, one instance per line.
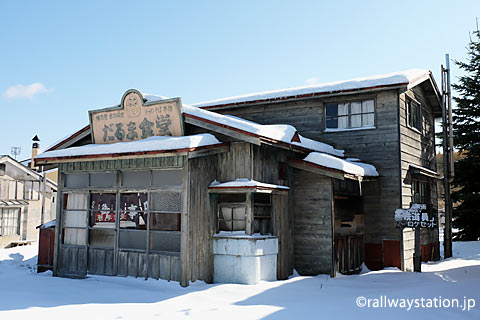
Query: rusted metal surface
x=46, y=245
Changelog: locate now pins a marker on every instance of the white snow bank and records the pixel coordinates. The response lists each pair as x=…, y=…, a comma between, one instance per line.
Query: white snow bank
x=356, y=168
x=150, y=144
x=279, y=132
x=28, y=295
x=238, y=183
x=402, y=77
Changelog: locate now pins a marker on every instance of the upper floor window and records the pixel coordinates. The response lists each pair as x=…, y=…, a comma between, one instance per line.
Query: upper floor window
x=350, y=115
x=414, y=116
x=420, y=192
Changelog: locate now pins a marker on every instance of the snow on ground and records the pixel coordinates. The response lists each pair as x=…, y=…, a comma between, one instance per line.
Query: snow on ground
x=25, y=294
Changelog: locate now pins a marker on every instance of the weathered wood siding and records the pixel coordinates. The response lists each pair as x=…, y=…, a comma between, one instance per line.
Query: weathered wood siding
x=266, y=162
x=379, y=146
x=198, y=220
x=313, y=223
x=418, y=148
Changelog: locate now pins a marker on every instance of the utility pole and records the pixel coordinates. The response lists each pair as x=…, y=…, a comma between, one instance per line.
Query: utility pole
x=448, y=165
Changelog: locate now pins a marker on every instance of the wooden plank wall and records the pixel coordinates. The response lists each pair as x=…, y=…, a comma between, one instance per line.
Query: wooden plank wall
x=266, y=161
x=418, y=148
x=379, y=147
x=313, y=223
x=197, y=252
x=139, y=163
x=72, y=262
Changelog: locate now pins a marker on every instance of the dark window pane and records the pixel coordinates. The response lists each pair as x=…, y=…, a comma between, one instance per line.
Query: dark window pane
x=102, y=238
x=165, y=221
x=76, y=180
x=165, y=241
x=136, y=178
x=104, y=179
x=167, y=177
x=332, y=110
x=332, y=123
x=133, y=239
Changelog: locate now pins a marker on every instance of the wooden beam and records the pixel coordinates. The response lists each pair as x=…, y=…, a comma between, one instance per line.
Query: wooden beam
x=208, y=152
x=222, y=130
x=300, y=164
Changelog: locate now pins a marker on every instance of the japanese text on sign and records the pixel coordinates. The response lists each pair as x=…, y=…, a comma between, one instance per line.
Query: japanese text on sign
x=134, y=120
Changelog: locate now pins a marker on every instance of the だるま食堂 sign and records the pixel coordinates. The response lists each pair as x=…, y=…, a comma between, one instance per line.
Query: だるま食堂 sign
x=136, y=119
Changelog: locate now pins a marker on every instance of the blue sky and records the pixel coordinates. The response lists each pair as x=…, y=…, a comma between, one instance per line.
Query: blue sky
x=59, y=59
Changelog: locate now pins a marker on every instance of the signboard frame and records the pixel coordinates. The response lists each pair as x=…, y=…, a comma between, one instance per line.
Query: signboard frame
x=176, y=103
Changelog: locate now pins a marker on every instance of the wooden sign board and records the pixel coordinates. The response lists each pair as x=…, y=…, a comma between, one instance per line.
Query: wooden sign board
x=136, y=119
x=417, y=216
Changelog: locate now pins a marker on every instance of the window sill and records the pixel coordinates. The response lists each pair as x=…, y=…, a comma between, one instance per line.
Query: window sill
x=241, y=235
x=349, y=129
x=414, y=129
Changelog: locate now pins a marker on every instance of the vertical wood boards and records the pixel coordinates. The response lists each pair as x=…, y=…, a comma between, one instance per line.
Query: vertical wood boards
x=313, y=223
x=197, y=232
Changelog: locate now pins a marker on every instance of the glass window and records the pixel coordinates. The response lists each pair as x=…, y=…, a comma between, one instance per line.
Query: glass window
x=9, y=221
x=231, y=218
x=102, y=210
x=167, y=177
x=102, y=179
x=79, y=180
x=419, y=192
x=413, y=115
x=133, y=213
x=356, y=114
x=75, y=218
x=136, y=178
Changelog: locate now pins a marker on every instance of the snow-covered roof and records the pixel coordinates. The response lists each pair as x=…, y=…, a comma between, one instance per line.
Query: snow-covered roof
x=357, y=169
x=49, y=224
x=377, y=81
x=279, y=132
x=245, y=184
x=148, y=145
x=424, y=170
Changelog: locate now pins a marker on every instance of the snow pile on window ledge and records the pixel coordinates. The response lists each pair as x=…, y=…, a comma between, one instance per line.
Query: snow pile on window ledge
x=358, y=169
x=239, y=183
x=241, y=235
x=388, y=79
x=163, y=143
x=279, y=132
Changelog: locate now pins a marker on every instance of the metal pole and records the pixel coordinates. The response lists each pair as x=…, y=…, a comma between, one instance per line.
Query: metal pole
x=450, y=121
x=44, y=180
x=446, y=116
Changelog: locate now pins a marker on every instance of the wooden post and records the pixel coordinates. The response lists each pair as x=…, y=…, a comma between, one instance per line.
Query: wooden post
x=417, y=256
x=249, y=212
x=333, y=271
x=185, y=232
x=58, y=225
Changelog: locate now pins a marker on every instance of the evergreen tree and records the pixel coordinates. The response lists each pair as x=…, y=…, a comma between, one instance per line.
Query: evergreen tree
x=466, y=127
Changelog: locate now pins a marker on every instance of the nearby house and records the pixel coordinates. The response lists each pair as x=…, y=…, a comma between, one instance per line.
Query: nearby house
x=26, y=201
x=220, y=198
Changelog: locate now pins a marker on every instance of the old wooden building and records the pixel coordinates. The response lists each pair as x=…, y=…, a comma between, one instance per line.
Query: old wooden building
x=26, y=200
x=178, y=192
